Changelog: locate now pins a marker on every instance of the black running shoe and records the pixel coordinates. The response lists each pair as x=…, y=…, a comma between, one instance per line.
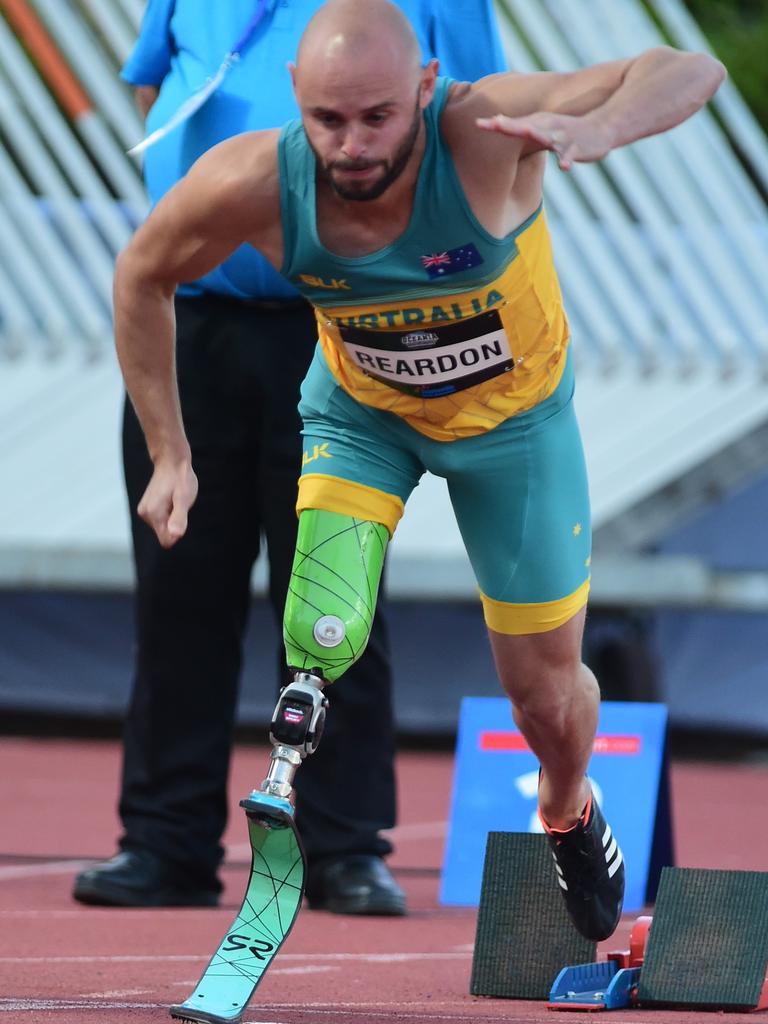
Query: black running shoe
x=590, y=870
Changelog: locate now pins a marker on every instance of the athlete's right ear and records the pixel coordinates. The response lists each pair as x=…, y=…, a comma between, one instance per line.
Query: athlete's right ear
x=292, y=72
x=428, y=81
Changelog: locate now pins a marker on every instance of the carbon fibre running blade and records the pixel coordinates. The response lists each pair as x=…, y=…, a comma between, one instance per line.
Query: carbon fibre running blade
x=271, y=903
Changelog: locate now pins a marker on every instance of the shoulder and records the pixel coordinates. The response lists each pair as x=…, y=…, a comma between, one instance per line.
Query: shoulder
x=467, y=101
x=489, y=164
x=231, y=191
x=512, y=92
x=244, y=166
x=239, y=157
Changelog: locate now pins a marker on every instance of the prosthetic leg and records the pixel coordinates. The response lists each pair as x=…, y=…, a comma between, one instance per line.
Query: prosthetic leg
x=328, y=616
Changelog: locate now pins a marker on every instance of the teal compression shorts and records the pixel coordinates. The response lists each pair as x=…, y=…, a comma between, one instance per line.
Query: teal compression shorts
x=519, y=493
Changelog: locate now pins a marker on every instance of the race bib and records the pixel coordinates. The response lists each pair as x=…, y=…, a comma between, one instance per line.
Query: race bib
x=436, y=360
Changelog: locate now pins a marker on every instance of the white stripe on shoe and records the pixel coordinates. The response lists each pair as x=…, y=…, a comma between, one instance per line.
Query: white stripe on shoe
x=613, y=868
x=560, y=879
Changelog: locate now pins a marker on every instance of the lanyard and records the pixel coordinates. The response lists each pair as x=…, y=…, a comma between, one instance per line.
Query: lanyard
x=197, y=99
x=250, y=29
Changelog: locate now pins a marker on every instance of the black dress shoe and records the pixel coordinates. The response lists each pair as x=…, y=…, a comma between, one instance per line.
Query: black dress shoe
x=354, y=884
x=137, y=878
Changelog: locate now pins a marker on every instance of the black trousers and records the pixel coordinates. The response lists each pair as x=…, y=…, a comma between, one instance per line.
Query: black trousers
x=239, y=369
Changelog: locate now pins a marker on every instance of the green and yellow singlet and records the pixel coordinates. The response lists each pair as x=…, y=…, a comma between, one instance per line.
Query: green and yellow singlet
x=449, y=328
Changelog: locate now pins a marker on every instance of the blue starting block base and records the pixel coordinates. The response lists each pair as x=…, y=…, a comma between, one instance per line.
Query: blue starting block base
x=607, y=985
x=600, y=986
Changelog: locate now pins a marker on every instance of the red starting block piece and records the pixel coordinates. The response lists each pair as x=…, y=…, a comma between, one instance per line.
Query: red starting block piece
x=762, y=1003
x=608, y=985
x=638, y=939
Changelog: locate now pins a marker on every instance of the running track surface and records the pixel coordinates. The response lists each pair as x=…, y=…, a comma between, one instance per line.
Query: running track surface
x=65, y=964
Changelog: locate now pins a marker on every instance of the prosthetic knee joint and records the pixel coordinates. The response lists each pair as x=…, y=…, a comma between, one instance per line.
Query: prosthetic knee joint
x=328, y=615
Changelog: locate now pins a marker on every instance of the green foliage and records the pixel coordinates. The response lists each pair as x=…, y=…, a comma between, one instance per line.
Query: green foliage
x=737, y=31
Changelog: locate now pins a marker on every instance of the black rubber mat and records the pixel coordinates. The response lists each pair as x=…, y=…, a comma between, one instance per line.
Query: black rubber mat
x=524, y=935
x=708, y=944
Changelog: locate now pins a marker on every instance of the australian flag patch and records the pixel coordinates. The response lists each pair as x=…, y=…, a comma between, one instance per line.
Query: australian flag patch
x=440, y=264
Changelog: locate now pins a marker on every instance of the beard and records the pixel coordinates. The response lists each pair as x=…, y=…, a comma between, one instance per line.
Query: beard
x=391, y=168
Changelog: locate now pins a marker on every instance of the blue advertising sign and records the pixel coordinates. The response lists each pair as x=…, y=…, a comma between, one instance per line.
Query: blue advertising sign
x=496, y=782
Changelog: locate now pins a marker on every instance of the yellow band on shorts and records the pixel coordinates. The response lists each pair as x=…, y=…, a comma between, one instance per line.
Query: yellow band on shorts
x=519, y=619
x=335, y=494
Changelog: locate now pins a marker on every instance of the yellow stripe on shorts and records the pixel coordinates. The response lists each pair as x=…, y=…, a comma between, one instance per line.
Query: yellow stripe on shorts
x=520, y=619
x=335, y=494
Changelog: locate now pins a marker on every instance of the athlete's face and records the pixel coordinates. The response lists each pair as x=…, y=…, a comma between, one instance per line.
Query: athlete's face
x=363, y=129
x=354, y=165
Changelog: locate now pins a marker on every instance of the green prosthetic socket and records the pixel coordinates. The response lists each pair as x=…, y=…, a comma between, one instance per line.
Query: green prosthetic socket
x=332, y=592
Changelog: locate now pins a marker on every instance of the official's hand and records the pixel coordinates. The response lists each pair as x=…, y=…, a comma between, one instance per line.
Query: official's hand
x=167, y=500
x=572, y=139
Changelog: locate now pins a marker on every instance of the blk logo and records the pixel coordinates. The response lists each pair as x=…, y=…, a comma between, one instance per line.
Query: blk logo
x=335, y=284
x=319, y=451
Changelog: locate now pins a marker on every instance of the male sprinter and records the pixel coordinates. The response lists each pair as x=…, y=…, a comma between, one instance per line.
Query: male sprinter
x=408, y=210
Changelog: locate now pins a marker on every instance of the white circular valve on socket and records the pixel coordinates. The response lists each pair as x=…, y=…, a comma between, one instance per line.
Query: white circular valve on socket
x=329, y=631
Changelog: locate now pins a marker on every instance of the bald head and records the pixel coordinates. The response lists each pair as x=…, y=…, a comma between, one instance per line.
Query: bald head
x=362, y=92
x=356, y=32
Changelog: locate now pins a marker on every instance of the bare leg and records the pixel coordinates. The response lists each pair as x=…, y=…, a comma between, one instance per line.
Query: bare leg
x=555, y=702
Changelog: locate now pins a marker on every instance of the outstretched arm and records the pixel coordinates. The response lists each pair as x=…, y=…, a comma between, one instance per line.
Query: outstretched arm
x=226, y=199
x=582, y=116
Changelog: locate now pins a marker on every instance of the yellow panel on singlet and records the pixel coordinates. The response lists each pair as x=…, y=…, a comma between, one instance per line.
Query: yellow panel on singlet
x=527, y=297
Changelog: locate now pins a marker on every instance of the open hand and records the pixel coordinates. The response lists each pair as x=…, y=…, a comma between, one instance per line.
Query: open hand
x=572, y=139
x=167, y=500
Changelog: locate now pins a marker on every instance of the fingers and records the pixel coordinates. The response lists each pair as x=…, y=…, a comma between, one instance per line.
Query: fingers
x=177, y=520
x=555, y=140
x=517, y=127
x=158, y=514
x=564, y=150
x=567, y=156
x=490, y=124
x=165, y=506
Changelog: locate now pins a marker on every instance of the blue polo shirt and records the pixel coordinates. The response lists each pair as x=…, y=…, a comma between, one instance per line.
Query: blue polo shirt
x=183, y=42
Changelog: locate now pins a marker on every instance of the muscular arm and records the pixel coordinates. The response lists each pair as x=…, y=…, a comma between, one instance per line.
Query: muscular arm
x=230, y=196
x=659, y=90
x=585, y=114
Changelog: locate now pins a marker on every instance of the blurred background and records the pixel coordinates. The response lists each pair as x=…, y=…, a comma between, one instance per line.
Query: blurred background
x=662, y=253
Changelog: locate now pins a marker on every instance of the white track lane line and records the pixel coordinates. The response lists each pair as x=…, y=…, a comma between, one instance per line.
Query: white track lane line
x=368, y=958
x=326, y=1010
x=10, y=873
x=25, y=1005
x=116, y=994
x=308, y=969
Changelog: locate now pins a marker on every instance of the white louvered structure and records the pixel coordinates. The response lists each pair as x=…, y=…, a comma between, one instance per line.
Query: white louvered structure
x=660, y=250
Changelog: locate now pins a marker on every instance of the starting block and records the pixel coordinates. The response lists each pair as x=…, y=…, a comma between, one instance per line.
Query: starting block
x=707, y=949
x=524, y=934
x=608, y=985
